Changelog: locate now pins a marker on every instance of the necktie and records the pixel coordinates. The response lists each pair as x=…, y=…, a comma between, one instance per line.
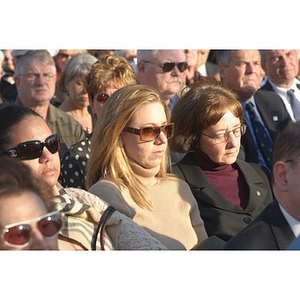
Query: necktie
x=264, y=143
x=295, y=104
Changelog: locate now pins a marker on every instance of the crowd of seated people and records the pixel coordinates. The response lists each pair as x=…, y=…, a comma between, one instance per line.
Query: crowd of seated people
x=149, y=149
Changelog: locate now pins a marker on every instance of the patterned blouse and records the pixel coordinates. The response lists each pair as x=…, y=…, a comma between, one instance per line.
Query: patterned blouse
x=73, y=165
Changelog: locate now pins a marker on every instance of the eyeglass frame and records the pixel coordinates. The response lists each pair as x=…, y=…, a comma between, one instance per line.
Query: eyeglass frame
x=102, y=101
x=226, y=134
x=168, y=62
x=29, y=222
x=139, y=131
x=15, y=152
x=34, y=76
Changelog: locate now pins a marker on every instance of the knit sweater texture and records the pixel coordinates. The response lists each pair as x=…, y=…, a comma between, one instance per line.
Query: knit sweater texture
x=175, y=220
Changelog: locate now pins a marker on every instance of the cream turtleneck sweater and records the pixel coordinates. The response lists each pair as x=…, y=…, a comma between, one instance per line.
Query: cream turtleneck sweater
x=175, y=220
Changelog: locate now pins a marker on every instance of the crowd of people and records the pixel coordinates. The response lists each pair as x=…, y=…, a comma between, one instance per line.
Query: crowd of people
x=149, y=149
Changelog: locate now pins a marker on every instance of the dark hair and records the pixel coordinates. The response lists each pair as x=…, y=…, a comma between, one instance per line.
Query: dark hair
x=9, y=117
x=287, y=144
x=16, y=177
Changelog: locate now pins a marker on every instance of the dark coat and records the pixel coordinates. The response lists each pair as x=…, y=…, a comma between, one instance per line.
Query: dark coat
x=274, y=115
x=221, y=218
x=269, y=231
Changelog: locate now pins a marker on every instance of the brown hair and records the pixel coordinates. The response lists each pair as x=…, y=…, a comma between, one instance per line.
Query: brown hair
x=203, y=105
x=16, y=177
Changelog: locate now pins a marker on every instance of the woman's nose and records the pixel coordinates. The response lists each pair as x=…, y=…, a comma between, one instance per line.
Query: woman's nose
x=37, y=240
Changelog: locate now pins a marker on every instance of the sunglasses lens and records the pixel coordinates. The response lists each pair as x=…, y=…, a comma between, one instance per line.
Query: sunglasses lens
x=50, y=225
x=17, y=235
x=149, y=133
x=168, y=67
x=30, y=150
x=52, y=143
x=182, y=66
x=169, y=131
x=101, y=98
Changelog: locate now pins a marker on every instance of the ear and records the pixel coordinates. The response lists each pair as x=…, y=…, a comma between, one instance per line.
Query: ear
x=280, y=175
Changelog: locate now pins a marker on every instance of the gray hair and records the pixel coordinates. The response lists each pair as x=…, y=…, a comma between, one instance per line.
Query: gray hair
x=43, y=56
x=78, y=66
x=142, y=55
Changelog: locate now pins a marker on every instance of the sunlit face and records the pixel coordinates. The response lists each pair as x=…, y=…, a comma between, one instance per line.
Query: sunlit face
x=8, y=63
x=282, y=66
x=147, y=154
x=244, y=73
x=192, y=58
x=39, y=91
x=167, y=84
x=77, y=92
x=226, y=152
x=97, y=106
x=203, y=56
x=35, y=128
x=23, y=207
x=62, y=57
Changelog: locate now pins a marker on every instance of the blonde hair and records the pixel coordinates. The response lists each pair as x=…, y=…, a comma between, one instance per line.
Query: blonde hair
x=108, y=157
x=109, y=69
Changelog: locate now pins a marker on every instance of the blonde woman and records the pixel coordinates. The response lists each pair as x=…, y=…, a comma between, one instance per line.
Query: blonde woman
x=128, y=168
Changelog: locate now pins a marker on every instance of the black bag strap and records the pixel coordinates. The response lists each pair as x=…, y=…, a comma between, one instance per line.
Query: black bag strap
x=101, y=227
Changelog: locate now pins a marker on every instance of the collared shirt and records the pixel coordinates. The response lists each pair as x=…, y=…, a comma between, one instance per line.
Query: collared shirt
x=282, y=92
x=261, y=160
x=294, y=224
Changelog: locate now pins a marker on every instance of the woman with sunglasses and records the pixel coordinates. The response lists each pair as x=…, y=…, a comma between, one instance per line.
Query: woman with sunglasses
x=28, y=220
x=230, y=192
x=128, y=168
x=108, y=74
x=25, y=136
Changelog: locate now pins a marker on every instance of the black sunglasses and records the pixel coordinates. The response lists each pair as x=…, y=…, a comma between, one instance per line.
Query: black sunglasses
x=102, y=97
x=34, y=149
x=151, y=133
x=169, y=66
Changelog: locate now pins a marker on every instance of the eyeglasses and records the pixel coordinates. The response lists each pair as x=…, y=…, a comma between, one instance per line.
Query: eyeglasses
x=34, y=149
x=35, y=76
x=101, y=98
x=169, y=66
x=151, y=133
x=18, y=234
x=223, y=137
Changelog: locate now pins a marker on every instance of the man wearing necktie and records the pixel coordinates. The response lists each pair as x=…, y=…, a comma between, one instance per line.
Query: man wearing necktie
x=241, y=71
x=281, y=68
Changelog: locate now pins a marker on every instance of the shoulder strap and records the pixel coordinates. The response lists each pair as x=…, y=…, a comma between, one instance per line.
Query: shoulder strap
x=101, y=227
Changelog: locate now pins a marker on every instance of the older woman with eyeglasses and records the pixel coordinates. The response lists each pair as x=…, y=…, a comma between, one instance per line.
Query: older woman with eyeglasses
x=230, y=192
x=128, y=168
x=28, y=219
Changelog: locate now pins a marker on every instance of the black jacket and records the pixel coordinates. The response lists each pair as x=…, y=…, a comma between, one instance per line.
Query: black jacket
x=221, y=218
x=269, y=231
